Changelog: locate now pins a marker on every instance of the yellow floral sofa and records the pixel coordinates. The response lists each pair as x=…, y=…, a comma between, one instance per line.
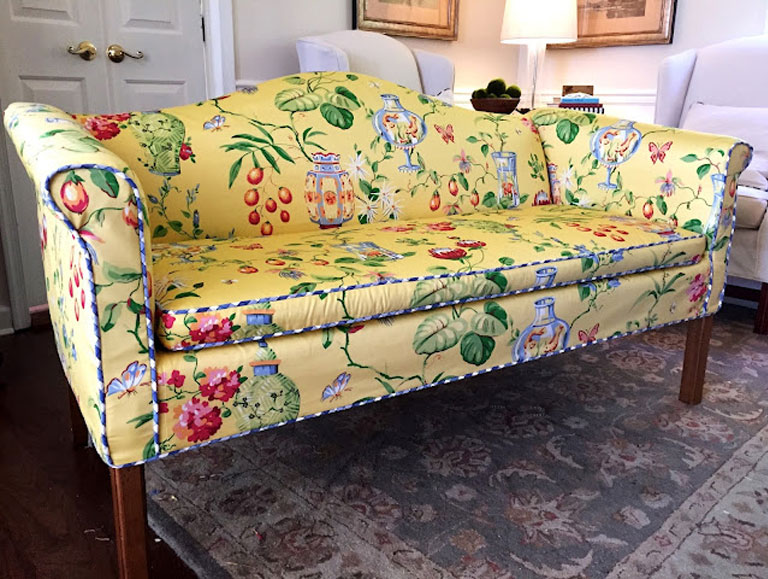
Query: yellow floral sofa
x=327, y=240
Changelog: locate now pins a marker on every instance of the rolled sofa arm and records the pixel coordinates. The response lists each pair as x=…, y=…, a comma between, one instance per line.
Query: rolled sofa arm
x=668, y=176
x=96, y=245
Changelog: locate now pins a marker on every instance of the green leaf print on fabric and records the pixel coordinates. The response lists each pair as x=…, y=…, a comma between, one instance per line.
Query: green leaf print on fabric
x=295, y=100
x=438, y=333
x=476, y=349
x=338, y=117
x=106, y=181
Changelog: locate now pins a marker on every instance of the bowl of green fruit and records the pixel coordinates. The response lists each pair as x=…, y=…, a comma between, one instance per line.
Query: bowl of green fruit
x=497, y=97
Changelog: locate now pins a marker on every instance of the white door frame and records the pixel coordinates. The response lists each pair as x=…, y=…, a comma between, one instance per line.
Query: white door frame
x=219, y=64
x=219, y=47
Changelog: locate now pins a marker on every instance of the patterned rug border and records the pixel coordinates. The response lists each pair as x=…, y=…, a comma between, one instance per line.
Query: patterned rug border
x=183, y=544
x=654, y=551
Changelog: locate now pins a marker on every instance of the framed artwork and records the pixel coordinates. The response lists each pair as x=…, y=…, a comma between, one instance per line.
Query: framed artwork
x=623, y=23
x=421, y=18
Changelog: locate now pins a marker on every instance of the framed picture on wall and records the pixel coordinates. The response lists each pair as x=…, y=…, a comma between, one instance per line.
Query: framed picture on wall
x=623, y=23
x=421, y=18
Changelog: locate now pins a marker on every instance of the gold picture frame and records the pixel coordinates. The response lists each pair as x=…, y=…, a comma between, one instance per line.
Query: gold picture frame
x=623, y=23
x=436, y=19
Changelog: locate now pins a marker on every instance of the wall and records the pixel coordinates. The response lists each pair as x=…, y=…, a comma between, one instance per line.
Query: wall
x=266, y=32
x=477, y=53
x=624, y=77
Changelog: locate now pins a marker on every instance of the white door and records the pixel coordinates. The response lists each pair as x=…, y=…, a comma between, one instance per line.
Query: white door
x=169, y=36
x=35, y=66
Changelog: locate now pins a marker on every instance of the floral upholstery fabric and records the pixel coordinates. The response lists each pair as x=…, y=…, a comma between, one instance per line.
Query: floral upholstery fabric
x=239, y=290
x=370, y=178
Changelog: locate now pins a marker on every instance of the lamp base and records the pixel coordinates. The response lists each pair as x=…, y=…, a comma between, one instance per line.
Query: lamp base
x=532, y=62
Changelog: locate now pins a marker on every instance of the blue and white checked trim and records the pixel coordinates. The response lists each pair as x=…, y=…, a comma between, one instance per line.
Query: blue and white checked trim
x=424, y=308
x=714, y=217
x=51, y=204
x=400, y=393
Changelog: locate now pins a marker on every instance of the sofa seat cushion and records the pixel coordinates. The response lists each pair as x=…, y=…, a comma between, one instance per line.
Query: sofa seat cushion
x=211, y=293
x=751, y=207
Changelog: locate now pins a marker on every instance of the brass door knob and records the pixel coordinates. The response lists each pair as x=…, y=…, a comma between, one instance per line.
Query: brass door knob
x=116, y=53
x=85, y=50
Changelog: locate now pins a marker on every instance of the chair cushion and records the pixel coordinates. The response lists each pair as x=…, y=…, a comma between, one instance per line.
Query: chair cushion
x=753, y=179
x=210, y=293
x=750, y=208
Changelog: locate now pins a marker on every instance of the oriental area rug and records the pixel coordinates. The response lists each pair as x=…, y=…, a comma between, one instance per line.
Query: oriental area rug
x=581, y=465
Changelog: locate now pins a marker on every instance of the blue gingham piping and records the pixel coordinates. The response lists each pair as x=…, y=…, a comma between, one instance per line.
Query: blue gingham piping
x=400, y=393
x=733, y=224
x=728, y=255
x=476, y=272
x=49, y=203
x=48, y=199
x=427, y=307
x=714, y=216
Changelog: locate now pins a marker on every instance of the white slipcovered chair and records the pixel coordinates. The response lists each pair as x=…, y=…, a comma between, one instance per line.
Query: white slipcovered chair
x=723, y=89
x=380, y=56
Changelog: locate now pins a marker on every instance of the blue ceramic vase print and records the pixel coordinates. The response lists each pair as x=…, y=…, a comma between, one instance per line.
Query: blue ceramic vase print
x=717, y=217
x=547, y=333
x=613, y=146
x=261, y=317
x=506, y=170
x=400, y=128
x=328, y=192
x=545, y=276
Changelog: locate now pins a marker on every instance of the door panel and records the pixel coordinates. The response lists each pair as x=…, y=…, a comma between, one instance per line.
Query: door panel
x=60, y=10
x=143, y=16
x=68, y=93
x=169, y=35
x=156, y=94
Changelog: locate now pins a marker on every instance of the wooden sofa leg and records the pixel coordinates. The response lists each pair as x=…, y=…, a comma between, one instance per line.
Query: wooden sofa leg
x=761, y=320
x=695, y=360
x=130, y=512
x=77, y=422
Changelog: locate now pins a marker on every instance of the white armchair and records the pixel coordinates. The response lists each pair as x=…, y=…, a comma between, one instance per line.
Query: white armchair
x=381, y=56
x=723, y=89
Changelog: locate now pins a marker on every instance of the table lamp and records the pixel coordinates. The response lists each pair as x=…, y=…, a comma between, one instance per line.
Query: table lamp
x=537, y=24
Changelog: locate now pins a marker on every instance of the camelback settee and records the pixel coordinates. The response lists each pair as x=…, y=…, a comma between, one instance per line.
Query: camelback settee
x=329, y=239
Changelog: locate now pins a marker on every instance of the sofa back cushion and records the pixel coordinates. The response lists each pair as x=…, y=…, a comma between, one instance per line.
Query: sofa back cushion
x=320, y=150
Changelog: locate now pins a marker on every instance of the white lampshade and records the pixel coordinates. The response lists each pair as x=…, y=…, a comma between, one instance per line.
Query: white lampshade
x=550, y=21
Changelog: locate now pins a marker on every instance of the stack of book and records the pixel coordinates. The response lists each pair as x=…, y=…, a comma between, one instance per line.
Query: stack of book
x=582, y=102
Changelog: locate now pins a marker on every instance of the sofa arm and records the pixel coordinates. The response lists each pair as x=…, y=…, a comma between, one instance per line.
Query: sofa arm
x=95, y=243
x=437, y=74
x=661, y=174
x=675, y=74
